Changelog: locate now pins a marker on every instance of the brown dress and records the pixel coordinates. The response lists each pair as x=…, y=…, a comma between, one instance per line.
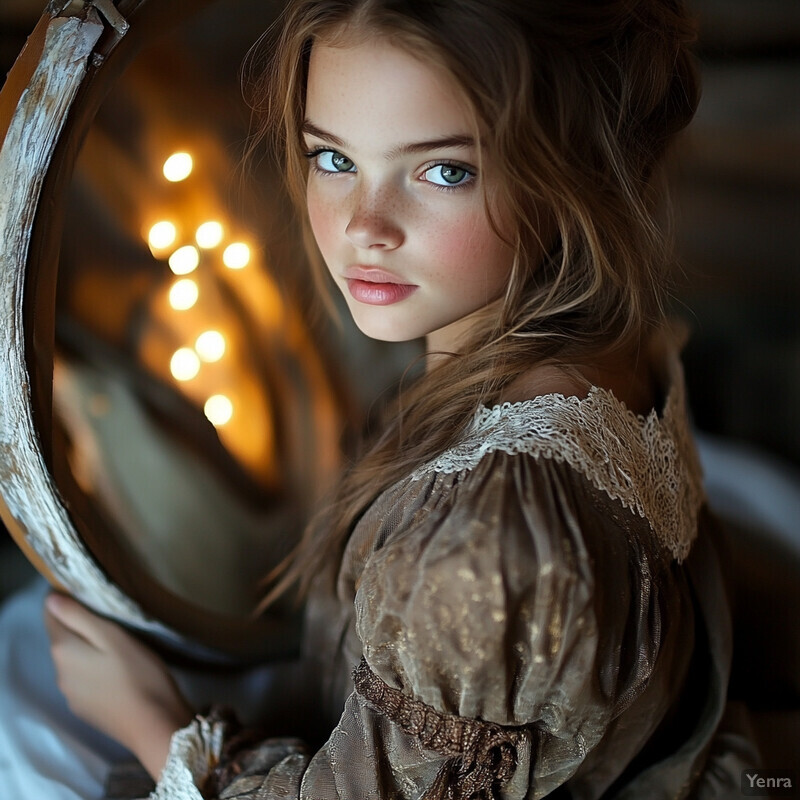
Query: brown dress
x=538, y=612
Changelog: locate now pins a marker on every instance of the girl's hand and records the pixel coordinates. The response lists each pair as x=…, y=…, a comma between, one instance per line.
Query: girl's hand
x=113, y=682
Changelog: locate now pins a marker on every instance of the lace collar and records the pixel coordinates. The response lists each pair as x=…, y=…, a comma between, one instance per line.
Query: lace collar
x=647, y=463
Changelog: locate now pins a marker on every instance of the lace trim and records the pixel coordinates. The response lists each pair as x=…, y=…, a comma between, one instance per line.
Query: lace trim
x=483, y=754
x=648, y=464
x=193, y=751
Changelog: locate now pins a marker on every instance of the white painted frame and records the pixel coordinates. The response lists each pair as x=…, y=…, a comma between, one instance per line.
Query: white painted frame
x=30, y=504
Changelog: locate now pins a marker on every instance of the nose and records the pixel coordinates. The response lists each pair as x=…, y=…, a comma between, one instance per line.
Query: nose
x=374, y=222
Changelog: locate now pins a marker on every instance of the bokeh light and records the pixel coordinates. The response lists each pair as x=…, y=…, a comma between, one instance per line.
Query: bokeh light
x=219, y=409
x=184, y=260
x=236, y=255
x=210, y=346
x=184, y=364
x=209, y=234
x=178, y=167
x=183, y=294
x=162, y=235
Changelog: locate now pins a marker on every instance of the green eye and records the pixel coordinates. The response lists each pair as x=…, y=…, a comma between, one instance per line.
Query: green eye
x=331, y=161
x=447, y=175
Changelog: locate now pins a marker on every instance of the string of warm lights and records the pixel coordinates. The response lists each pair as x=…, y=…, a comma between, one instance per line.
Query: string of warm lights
x=184, y=259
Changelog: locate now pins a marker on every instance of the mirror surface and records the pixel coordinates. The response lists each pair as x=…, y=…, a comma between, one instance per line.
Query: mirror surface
x=195, y=419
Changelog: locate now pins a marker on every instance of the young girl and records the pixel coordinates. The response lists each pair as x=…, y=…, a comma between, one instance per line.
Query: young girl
x=514, y=593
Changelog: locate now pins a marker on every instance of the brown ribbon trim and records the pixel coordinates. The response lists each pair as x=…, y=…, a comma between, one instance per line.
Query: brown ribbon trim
x=483, y=755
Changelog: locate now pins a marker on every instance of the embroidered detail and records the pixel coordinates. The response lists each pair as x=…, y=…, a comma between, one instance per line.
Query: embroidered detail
x=483, y=754
x=646, y=463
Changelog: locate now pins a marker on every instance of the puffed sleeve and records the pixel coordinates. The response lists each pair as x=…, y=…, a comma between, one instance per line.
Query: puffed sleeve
x=505, y=630
x=533, y=602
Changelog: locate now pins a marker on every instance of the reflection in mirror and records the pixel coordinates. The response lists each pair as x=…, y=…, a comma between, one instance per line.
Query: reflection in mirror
x=196, y=416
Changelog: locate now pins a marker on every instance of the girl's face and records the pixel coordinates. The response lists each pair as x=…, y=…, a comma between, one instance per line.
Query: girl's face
x=395, y=199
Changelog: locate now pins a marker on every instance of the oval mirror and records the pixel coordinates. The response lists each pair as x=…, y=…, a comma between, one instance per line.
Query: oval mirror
x=167, y=414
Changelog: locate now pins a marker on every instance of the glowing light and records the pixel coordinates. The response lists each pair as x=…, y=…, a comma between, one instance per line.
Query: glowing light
x=236, y=255
x=184, y=364
x=162, y=235
x=184, y=260
x=209, y=234
x=218, y=409
x=178, y=167
x=183, y=294
x=210, y=345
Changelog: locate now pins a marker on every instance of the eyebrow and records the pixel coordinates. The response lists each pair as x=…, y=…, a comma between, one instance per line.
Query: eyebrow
x=403, y=149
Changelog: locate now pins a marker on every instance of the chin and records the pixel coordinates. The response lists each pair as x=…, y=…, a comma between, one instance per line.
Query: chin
x=386, y=335
x=385, y=331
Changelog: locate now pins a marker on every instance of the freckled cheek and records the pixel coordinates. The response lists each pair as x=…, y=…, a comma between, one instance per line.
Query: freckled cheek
x=323, y=217
x=468, y=250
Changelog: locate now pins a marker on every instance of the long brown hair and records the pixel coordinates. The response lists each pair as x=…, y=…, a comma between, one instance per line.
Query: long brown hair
x=577, y=101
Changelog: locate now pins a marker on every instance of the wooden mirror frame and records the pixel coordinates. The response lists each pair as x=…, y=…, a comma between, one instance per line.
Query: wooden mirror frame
x=77, y=51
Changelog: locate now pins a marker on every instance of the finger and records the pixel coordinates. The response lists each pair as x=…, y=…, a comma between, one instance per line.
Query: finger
x=63, y=639
x=54, y=627
x=77, y=619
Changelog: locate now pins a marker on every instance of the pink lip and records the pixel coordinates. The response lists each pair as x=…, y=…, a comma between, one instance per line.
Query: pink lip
x=378, y=294
x=375, y=286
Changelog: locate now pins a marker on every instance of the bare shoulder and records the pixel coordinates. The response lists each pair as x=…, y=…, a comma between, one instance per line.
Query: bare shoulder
x=628, y=376
x=541, y=379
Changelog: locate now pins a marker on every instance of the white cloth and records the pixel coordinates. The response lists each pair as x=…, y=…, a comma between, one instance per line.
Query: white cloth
x=46, y=752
